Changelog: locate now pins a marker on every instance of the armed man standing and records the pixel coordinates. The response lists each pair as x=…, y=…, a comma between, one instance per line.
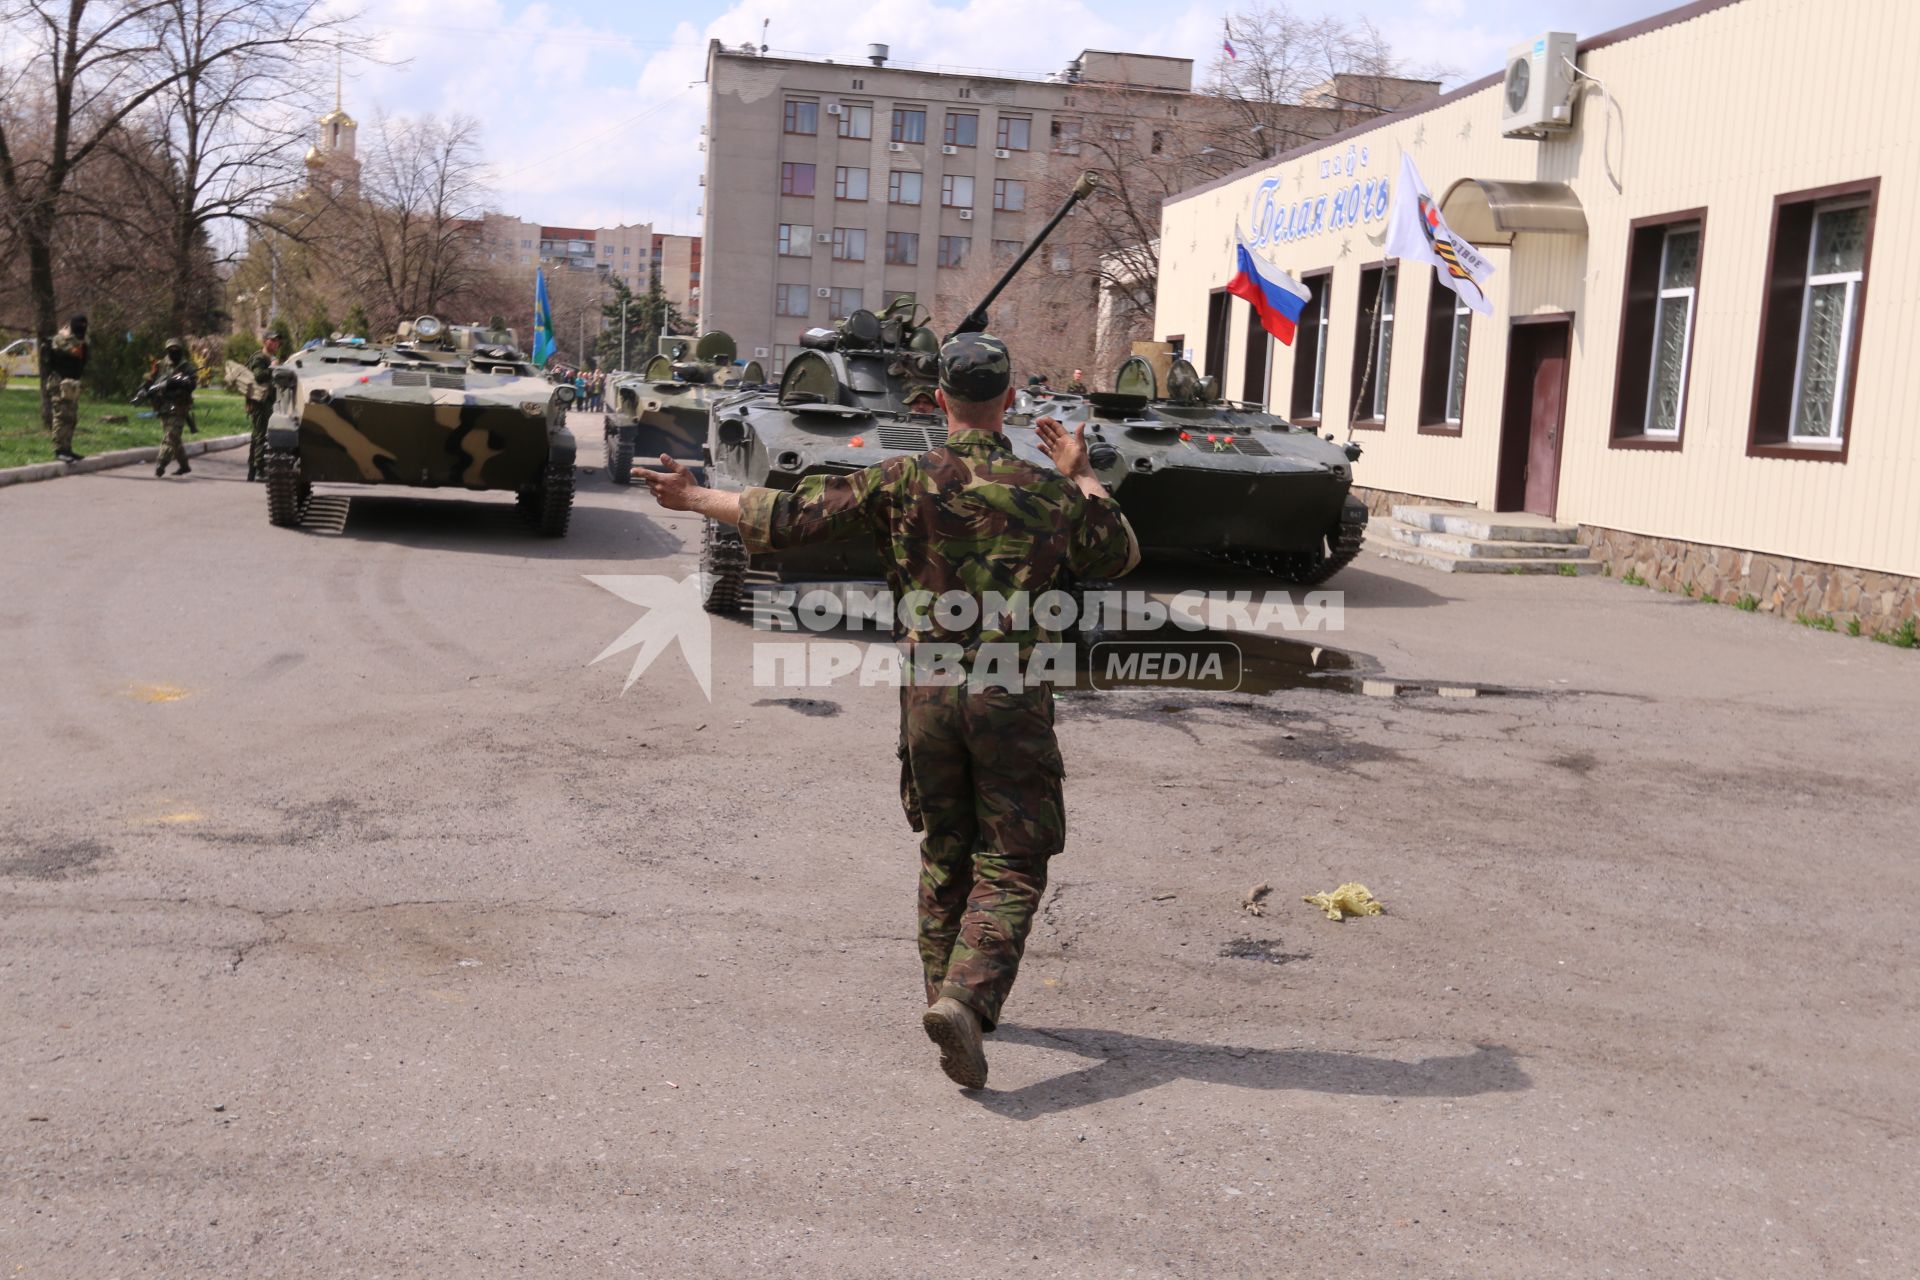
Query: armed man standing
x=260, y=403
x=170, y=388
x=65, y=361
x=981, y=771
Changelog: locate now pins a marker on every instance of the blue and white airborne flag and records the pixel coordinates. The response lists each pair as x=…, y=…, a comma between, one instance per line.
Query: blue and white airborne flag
x=1417, y=233
x=543, y=341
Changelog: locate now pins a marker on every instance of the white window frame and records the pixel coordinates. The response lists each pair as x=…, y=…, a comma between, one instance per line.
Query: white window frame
x=843, y=181
x=950, y=190
x=1320, y=351
x=1456, y=406
x=893, y=186
x=1853, y=281
x=843, y=241
x=853, y=111
x=1690, y=293
x=1383, y=344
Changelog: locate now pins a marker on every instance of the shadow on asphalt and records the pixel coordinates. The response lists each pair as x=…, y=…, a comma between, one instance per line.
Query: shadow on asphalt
x=491, y=528
x=1129, y=1064
x=1363, y=588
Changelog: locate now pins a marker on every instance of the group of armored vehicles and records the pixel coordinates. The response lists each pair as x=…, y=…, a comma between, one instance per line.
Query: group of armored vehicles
x=445, y=406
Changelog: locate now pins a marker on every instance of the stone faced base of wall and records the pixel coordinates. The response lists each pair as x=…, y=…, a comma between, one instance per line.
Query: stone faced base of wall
x=1785, y=587
x=1380, y=502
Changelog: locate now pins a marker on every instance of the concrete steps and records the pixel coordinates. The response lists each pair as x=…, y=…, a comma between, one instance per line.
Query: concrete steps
x=1468, y=540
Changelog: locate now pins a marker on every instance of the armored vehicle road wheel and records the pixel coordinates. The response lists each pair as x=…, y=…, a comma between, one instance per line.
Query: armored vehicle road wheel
x=287, y=493
x=548, y=503
x=723, y=568
x=1311, y=568
x=619, y=460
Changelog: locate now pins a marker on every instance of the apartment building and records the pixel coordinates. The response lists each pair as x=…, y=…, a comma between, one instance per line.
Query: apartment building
x=835, y=186
x=633, y=253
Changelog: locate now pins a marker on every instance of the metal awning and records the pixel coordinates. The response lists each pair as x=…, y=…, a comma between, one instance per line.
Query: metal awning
x=1487, y=211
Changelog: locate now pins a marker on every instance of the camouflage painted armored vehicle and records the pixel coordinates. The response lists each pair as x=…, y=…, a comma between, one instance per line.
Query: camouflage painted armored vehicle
x=663, y=408
x=1195, y=473
x=440, y=407
x=856, y=394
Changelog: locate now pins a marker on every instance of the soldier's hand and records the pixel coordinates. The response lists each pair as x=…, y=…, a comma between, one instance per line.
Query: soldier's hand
x=1068, y=450
x=673, y=488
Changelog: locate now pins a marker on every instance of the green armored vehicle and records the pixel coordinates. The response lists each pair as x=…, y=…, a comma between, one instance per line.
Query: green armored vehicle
x=442, y=406
x=1197, y=474
x=663, y=408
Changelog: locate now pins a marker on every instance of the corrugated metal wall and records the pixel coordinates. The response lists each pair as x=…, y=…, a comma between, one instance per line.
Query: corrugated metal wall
x=1725, y=110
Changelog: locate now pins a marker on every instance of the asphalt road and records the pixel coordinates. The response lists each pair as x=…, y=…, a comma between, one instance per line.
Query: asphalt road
x=352, y=923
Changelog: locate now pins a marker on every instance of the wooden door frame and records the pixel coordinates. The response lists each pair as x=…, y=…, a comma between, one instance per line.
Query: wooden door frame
x=1566, y=374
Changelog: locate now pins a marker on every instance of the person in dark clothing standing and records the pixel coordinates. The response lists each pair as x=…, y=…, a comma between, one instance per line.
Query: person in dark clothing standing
x=65, y=363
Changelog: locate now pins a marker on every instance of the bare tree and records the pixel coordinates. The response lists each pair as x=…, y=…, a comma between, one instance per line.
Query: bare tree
x=409, y=239
x=101, y=64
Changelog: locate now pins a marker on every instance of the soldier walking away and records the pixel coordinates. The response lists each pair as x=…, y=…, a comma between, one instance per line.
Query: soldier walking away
x=66, y=362
x=260, y=403
x=171, y=391
x=981, y=773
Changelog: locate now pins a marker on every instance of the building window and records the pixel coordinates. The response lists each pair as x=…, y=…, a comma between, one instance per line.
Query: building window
x=526, y=244
x=1810, y=321
x=1443, y=361
x=954, y=250
x=1213, y=356
x=1014, y=133
x=963, y=129
x=903, y=188
x=903, y=248
x=796, y=241
x=1006, y=250
x=782, y=352
x=909, y=124
x=802, y=117
x=1373, y=345
x=1159, y=142
x=609, y=252
x=796, y=179
x=1009, y=194
x=626, y=251
x=842, y=303
x=1656, y=329
x=1062, y=260
x=849, y=184
x=850, y=244
x=1310, y=350
x=791, y=300
x=856, y=120
x=956, y=191
x=1066, y=137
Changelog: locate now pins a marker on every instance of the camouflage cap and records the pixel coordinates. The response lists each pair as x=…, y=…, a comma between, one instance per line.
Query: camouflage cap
x=975, y=366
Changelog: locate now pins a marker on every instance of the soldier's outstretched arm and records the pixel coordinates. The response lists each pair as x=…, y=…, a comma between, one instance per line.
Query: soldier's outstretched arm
x=1103, y=544
x=675, y=490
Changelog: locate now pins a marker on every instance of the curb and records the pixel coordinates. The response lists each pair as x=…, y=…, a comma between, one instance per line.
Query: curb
x=105, y=461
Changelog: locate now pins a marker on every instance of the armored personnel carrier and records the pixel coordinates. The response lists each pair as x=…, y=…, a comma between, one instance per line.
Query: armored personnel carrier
x=1192, y=473
x=1195, y=473
x=442, y=406
x=663, y=408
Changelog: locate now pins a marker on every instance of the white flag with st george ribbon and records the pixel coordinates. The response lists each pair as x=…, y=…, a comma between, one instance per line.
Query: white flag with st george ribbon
x=1417, y=233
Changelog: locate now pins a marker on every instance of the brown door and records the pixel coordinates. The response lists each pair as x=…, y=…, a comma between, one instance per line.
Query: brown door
x=1533, y=415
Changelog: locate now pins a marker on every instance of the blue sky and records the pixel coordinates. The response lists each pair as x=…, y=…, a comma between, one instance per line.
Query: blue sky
x=591, y=111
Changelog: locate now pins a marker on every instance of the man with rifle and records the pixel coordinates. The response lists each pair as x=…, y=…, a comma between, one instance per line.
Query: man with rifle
x=170, y=389
x=260, y=403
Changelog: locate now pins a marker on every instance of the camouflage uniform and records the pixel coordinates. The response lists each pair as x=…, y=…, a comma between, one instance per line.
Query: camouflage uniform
x=66, y=361
x=980, y=770
x=259, y=410
x=172, y=409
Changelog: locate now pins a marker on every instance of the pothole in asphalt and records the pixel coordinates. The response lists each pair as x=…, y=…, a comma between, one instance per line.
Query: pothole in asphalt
x=805, y=706
x=1267, y=949
x=55, y=861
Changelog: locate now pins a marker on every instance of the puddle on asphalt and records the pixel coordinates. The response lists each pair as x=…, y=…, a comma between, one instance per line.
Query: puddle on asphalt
x=805, y=706
x=1267, y=949
x=1244, y=662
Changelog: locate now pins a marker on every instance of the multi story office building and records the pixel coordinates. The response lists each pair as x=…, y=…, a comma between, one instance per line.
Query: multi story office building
x=631, y=253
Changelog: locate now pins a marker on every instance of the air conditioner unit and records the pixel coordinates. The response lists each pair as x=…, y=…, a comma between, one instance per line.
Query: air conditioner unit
x=703, y=179
x=949, y=150
x=896, y=146
x=835, y=109
x=1001, y=153
x=1537, y=99
x=823, y=292
x=966, y=215
x=760, y=353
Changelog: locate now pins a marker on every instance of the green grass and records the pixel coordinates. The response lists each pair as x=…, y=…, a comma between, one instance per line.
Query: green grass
x=1818, y=621
x=1905, y=636
x=1633, y=579
x=1853, y=627
x=1748, y=603
x=23, y=441
x=1569, y=571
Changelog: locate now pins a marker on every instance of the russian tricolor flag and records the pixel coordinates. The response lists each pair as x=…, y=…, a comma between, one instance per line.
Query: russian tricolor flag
x=1276, y=297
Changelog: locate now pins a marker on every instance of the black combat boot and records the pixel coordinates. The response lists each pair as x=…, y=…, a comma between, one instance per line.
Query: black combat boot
x=160, y=470
x=182, y=469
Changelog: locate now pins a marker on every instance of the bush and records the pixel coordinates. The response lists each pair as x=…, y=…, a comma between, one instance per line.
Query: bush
x=119, y=357
x=241, y=346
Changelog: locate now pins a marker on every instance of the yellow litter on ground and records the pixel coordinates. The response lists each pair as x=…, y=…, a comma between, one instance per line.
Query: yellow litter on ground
x=1347, y=900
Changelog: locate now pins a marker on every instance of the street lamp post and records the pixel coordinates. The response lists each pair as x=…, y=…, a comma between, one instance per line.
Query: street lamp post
x=624, y=331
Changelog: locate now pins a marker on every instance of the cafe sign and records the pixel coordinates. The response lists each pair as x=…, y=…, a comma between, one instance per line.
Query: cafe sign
x=1355, y=199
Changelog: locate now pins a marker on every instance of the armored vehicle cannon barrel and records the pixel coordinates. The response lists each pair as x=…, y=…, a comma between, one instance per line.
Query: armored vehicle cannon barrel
x=976, y=321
